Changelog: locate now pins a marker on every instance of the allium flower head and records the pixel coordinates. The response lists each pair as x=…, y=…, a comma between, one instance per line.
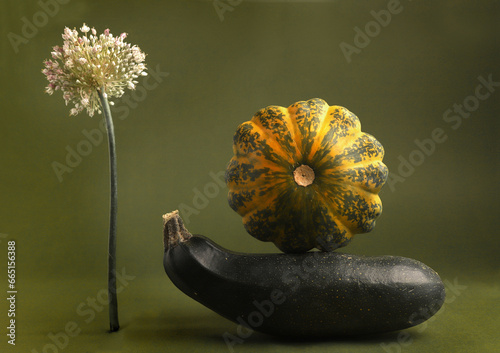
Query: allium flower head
x=88, y=63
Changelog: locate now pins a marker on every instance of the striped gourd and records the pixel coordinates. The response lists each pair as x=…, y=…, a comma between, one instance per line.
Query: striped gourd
x=306, y=176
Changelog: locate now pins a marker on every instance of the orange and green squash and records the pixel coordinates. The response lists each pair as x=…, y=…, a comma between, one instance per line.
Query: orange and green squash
x=305, y=176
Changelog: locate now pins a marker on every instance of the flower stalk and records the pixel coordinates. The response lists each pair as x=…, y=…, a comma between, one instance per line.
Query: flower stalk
x=113, y=207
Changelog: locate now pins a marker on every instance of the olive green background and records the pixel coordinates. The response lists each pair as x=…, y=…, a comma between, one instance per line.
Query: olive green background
x=170, y=139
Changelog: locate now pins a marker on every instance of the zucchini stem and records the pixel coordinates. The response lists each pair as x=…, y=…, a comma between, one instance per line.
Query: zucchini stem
x=174, y=230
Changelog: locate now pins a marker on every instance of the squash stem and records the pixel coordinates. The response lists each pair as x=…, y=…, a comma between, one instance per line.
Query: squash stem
x=113, y=300
x=303, y=175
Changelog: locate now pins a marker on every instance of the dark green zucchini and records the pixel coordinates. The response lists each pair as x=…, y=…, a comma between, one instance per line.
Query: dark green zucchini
x=316, y=294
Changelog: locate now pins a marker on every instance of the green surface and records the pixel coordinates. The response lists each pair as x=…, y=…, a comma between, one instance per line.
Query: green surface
x=427, y=59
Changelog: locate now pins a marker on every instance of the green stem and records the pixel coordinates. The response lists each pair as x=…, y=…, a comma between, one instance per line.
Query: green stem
x=113, y=300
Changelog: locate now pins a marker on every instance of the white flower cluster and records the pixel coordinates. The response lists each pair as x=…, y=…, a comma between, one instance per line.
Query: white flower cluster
x=86, y=64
